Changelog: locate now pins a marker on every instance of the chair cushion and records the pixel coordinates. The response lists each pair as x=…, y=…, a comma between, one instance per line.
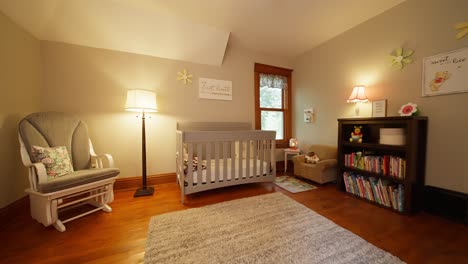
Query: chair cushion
x=324, y=152
x=52, y=129
x=77, y=178
x=56, y=160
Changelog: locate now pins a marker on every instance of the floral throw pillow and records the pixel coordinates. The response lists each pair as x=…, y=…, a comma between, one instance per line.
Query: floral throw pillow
x=55, y=159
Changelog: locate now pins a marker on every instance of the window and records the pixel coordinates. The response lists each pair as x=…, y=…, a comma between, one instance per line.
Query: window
x=273, y=101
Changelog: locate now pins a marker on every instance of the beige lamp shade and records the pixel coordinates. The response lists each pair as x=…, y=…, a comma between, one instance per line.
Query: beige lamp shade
x=141, y=101
x=358, y=95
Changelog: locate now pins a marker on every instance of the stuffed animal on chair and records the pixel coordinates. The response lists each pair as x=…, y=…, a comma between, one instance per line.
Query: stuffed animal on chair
x=312, y=158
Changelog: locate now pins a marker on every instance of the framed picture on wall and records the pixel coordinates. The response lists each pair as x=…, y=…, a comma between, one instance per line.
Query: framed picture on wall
x=445, y=73
x=214, y=89
x=379, y=108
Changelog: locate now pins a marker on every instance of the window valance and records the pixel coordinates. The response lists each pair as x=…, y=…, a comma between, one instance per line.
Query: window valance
x=273, y=81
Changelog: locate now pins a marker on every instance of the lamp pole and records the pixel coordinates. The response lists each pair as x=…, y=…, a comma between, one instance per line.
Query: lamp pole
x=145, y=190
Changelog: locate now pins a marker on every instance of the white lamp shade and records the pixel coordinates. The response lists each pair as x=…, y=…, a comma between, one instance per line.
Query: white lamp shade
x=293, y=143
x=358, y=95
x=141, y=101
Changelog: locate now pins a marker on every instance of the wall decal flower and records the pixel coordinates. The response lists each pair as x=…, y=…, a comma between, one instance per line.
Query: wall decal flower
x=463, y=27
x=408, y=109
x=184, y=76
x=400, y=58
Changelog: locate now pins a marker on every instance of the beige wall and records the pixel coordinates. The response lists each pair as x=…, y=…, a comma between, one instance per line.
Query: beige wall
x=324, y=77
x=93, y=83
x=20, y=82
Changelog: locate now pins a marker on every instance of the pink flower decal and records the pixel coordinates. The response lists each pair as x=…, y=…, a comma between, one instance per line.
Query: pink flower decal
x=408, y=109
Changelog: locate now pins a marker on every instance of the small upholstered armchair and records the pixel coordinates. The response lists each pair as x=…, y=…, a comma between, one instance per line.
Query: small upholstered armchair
x=64, y=170
x=321, y=172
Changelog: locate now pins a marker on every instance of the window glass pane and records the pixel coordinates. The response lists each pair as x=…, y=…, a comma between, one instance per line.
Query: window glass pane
x=271, y=97
x=273, y=120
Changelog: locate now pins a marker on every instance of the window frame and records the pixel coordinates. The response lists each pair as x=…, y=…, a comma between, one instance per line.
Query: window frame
x=286, y=102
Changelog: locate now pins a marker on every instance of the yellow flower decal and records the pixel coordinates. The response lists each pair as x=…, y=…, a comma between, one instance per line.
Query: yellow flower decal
x=463, y=27
x=184, y=76
x=400, y=58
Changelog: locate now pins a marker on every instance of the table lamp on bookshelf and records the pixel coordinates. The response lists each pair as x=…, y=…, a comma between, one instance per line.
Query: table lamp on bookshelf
x=358, y=96
x=142, y=101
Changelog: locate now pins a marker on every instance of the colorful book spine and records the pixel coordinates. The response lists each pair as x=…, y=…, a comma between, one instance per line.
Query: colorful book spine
x=345, y=180
x=380, y=191
x=386, y=165
x=395, y=198
x=372, y=182
x=401, y=195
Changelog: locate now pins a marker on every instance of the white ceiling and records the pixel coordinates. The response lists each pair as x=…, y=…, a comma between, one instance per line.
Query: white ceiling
x=193, y=30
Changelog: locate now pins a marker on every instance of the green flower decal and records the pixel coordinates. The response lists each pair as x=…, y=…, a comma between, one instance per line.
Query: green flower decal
x=400, y=58
x=462, y=30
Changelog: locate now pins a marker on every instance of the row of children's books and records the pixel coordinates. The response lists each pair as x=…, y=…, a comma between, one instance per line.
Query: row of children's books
x=383, y=192
x=387, y=165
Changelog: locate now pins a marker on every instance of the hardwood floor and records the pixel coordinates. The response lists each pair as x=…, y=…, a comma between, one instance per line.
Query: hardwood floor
x=120, y=236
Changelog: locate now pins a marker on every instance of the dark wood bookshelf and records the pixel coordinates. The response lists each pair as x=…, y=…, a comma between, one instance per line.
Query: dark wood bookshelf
x=413, y=151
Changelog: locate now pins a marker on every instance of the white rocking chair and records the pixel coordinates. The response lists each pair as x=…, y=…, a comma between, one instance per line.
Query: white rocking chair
x=91, y=182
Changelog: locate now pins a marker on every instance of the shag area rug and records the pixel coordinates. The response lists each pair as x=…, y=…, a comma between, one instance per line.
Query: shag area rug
x=270, y=228
x=292, y=184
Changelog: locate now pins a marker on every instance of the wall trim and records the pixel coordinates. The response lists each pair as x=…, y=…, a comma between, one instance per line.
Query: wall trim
x=135, y=182
x=446, y=203
x=13, y=209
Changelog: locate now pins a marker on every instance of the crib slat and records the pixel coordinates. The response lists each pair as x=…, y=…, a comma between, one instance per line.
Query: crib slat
x=190, y=164
x=262, y=156
x=247, y=161
x=199, y=166
x=233, y=160
x=180, y=156
x=216, y=172
x=255, y=158
x=241, y=150
x=225, y=159
x=273, y=159
x=268, y=157
x=208, y=161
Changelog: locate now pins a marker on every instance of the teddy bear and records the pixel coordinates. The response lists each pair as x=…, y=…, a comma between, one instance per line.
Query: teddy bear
x=439, y=79
x=312, y=158
x=356, y=135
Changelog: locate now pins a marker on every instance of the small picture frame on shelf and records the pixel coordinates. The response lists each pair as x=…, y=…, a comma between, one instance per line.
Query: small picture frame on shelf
x=379, y=108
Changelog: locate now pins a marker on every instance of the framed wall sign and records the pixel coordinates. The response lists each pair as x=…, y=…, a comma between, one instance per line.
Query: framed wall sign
x=445, y=73
x=379, y=108
x=214, y=89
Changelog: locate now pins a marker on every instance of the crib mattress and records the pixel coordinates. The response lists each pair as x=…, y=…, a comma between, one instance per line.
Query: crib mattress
x=237, y=173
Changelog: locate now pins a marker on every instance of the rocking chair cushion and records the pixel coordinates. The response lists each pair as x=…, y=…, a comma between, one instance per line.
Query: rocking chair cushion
x=52, y=129
x=77, y=178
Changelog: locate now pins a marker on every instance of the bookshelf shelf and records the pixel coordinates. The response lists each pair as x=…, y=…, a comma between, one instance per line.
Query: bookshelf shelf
x=374, y=146
x=372, y=174
x=374, y=203
x=404, y=193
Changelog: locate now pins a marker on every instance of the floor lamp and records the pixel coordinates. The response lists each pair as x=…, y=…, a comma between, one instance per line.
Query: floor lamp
x=142, y=101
